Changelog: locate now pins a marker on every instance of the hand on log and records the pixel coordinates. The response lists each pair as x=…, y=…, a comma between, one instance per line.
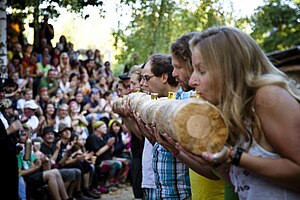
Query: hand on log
x=145, y=130
x=206, y=158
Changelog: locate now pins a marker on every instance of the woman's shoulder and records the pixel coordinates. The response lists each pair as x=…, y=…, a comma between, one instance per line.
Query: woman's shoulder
x=271, y=95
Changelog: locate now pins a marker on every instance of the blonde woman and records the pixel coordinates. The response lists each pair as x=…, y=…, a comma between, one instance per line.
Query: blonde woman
x=261, y=107
x=64, y=63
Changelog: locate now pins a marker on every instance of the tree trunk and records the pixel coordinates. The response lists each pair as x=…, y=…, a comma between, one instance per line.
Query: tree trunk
x=194, y=123
x=3, y=37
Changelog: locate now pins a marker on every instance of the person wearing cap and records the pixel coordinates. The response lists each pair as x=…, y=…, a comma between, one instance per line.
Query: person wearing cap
x=102, y=148
x=8, y=187
x=70, y=159
x=71, y=176
x=29, y=117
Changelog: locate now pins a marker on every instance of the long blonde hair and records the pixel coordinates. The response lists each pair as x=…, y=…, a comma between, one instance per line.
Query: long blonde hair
x=241, y=68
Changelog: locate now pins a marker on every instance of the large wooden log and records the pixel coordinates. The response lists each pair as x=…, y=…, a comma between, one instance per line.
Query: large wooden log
x=196, y=124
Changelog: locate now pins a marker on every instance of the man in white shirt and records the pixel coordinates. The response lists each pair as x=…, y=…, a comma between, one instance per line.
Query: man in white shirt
x=30, y=107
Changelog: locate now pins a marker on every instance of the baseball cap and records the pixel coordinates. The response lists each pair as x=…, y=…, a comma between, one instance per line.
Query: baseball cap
x=124, y=76
x=48, y=129
x=97, y=124
x=31, y=104
x=63, y=126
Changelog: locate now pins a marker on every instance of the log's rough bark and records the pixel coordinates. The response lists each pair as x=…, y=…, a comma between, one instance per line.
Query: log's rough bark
x=196, y=124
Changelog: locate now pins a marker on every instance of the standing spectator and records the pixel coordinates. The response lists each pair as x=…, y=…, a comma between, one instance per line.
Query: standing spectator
x=8, y=187
x=47, y=30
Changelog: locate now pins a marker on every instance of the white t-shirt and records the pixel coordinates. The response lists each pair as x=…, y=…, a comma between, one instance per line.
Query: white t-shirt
x=4, y=121
x=251, y=186
x=148, y=180
x=33, y=122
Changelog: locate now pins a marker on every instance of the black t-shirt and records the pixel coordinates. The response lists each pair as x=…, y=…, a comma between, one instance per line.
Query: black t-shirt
x=94, y=143
x=9, y=167
x=48, y=151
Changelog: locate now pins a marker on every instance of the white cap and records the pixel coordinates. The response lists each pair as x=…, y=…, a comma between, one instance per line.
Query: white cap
x=31, y=104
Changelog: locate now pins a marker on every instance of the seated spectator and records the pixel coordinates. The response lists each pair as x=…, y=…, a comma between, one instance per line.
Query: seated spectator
x=37, y=173
x=79, y=122
x=63, y=115
x=94, y=107
x=102, y=148
x=30, y=108
x=50, y=114
x=26, y=96
x=73, y=159
x=119, y=152
x=49, y=82
x=71, y=176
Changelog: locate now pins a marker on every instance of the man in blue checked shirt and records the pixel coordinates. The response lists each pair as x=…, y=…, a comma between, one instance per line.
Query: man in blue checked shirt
x=171, y=176
x=202, y=187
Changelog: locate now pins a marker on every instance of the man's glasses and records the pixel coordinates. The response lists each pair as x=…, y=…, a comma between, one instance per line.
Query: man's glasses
x=147, y=77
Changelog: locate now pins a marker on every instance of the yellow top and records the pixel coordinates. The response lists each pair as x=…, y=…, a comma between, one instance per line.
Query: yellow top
x=206, y=189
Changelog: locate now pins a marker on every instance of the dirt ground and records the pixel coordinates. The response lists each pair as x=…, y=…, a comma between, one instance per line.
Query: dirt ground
x=121, y=194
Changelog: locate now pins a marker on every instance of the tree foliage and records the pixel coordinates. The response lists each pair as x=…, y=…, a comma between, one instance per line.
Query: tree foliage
x=276, y=25
x=155, y=24
x=37, y=8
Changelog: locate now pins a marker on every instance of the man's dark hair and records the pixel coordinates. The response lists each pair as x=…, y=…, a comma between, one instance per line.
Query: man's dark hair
x=161, y=64
x=180, y=48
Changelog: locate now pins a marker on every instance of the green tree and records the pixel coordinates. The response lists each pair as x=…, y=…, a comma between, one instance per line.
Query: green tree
x=276, y=25
x=155, y=24
x=38, y=7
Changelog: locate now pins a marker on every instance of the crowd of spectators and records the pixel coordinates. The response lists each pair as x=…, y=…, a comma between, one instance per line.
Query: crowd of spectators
x=65, y=106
